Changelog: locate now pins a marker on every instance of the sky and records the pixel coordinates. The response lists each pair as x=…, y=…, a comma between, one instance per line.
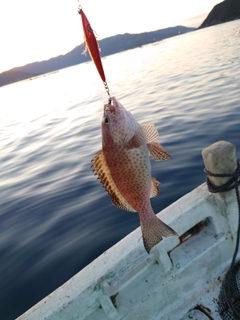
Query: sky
x=39, y=30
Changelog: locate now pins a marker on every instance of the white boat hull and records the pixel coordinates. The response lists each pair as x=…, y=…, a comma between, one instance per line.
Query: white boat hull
x=127, y=283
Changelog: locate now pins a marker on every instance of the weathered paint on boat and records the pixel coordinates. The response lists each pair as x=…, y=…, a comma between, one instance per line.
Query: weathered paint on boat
x=176, y=281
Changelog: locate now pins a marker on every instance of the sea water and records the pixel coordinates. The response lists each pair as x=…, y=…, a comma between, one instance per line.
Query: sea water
x=55, y=218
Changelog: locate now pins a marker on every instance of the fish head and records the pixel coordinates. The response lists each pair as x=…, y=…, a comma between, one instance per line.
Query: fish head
x=118, y=124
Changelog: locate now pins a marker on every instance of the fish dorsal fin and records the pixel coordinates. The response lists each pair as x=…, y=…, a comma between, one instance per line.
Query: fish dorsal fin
x=100, y=167
x=157, y=152
x=150, y=132
x=154, y=189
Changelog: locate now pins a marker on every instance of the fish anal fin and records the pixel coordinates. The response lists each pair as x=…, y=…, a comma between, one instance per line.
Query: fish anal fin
x=157, y=152
x=154, y=189
x=101, y=169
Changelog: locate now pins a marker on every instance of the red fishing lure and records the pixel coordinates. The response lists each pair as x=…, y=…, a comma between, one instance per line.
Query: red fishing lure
x=92, y=45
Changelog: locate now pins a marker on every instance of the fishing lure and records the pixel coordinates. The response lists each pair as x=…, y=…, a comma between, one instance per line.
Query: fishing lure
x=93, y=47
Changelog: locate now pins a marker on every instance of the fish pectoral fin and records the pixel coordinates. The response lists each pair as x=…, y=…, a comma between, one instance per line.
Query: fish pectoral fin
x=154, y=189
x=157, y=152
x=145, y=134
x=150, y=132
x=136, y=141
x=101, y=169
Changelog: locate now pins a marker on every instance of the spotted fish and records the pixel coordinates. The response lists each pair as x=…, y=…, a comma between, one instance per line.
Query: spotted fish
x=124, y=169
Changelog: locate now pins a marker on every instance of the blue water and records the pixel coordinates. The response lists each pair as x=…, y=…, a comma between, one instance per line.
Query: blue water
x=55, y=218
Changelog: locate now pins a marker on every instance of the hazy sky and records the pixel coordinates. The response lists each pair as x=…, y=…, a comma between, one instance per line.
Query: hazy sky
x=38, y=30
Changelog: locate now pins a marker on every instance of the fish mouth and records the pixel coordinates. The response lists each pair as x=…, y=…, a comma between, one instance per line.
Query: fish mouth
x=108, y=108
x=111, y=107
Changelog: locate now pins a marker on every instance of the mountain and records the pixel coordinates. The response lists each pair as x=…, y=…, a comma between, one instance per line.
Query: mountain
x=111, y=45
x=222, y=12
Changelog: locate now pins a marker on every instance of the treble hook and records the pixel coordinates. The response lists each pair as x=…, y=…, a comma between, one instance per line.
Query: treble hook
x=79, y=7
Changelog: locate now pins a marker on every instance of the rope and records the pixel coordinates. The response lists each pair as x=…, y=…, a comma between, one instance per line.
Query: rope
x=231, y=184
x=230, y=300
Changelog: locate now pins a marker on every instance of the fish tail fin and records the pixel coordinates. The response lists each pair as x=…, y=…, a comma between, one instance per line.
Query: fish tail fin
x=153, y=230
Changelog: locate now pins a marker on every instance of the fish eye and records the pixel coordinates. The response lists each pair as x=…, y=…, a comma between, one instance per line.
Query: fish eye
x=105, y=120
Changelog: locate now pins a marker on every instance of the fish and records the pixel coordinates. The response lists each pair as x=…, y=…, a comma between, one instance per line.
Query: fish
x=124, y=169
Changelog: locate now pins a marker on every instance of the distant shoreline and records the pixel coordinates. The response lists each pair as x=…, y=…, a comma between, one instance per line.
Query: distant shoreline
x=32, y=78
x=109, y=46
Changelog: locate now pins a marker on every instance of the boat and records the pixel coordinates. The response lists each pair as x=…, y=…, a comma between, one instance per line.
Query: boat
x=181, y=277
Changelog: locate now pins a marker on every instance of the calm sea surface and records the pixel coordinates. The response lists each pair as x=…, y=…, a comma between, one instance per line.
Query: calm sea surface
x=55, y=218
